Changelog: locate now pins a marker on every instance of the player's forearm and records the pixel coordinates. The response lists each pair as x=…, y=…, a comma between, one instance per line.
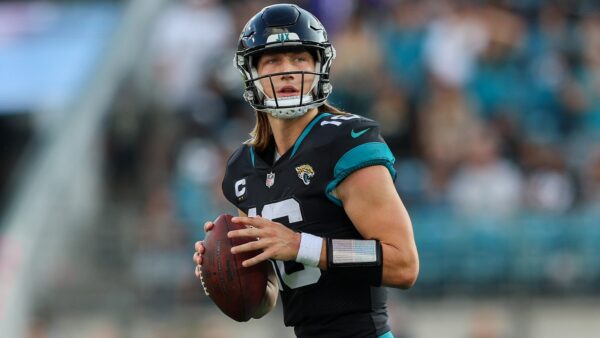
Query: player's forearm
x=400, y=266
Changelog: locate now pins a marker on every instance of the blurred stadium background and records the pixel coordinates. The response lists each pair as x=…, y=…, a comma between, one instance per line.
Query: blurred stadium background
x=116, y=118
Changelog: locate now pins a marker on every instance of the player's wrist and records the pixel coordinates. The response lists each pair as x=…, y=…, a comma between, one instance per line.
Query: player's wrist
x=309, y=252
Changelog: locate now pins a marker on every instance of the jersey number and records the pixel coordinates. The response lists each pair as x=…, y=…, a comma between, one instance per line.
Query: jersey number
x=305, y=275
x=339, y=117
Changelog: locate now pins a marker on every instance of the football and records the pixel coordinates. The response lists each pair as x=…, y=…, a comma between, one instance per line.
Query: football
x=236, y=290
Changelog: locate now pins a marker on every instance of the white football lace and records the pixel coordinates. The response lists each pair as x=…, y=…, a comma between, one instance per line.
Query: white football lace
x=202, y=281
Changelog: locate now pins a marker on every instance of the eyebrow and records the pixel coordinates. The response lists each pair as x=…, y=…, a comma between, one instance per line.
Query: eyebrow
x=280, y=54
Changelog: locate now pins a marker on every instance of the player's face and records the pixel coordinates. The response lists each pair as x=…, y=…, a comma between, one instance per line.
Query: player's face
x=289, y=84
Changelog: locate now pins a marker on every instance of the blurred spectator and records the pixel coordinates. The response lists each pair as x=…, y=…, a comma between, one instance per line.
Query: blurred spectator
x=549, y=53
x=445, y=118
x=358, y=61
x=588, y=76
x=392, y=110
x=196, y=175
x=124, y=138
x=334, y=14
x=188, y=35
x=485, y=184
x=591, y=181
x=549, y=187
x=498, y=83
x=454, y=41
x=412, y=182
x=402, y=42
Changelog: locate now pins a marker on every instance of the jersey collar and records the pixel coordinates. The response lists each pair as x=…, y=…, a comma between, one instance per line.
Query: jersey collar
x=306, y=131
x=261, y=162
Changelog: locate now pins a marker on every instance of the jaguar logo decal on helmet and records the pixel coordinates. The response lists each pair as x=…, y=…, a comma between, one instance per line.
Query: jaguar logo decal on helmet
x=282, y=37
x=284, y=26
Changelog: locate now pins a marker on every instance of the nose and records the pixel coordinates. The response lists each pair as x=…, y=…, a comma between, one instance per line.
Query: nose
x=287, y=66
x=289, y=77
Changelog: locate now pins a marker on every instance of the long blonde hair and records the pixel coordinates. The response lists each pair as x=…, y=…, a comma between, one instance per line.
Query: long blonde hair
x=261, y=134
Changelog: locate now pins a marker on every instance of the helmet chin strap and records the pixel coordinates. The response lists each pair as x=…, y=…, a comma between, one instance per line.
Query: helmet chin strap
x=293, y=110
x=288, y=101
x=287, y=113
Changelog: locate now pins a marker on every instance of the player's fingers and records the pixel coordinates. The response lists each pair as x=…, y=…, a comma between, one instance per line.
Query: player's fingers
x=257, y=222
x=248, y=232
x=199, y=246
x=249, y=246
x=208, y=226
x=256, y=259
x=198, y=271
x=197, y=258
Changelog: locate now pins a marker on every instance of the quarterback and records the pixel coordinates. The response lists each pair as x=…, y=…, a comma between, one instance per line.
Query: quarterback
x=315, y=186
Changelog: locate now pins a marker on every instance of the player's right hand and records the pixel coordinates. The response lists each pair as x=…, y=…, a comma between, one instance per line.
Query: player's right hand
x=199, y=246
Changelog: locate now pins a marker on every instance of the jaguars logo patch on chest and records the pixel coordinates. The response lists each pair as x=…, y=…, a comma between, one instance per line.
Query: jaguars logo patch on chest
x=305, y=172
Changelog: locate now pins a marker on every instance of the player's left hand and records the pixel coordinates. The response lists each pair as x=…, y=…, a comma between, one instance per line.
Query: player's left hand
x=274, y=239
x=199, y=246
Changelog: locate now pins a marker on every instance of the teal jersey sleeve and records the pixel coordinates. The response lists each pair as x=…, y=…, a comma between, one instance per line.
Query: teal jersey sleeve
x=358, y=144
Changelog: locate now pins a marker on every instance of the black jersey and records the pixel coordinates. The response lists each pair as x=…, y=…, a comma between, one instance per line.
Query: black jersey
x=297, y=191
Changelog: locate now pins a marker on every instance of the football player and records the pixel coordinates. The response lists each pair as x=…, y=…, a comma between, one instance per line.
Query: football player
x=315, y=187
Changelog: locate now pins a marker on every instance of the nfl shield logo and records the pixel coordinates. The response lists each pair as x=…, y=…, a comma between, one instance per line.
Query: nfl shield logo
x=270, y=180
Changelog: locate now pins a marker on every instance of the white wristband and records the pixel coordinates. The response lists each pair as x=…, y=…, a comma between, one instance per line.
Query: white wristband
x=309, y=253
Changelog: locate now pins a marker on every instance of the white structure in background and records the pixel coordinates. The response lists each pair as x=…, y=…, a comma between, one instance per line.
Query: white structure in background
x=60, y=188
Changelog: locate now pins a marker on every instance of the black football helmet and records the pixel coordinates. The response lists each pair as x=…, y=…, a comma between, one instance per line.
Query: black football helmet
x=284, y=26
